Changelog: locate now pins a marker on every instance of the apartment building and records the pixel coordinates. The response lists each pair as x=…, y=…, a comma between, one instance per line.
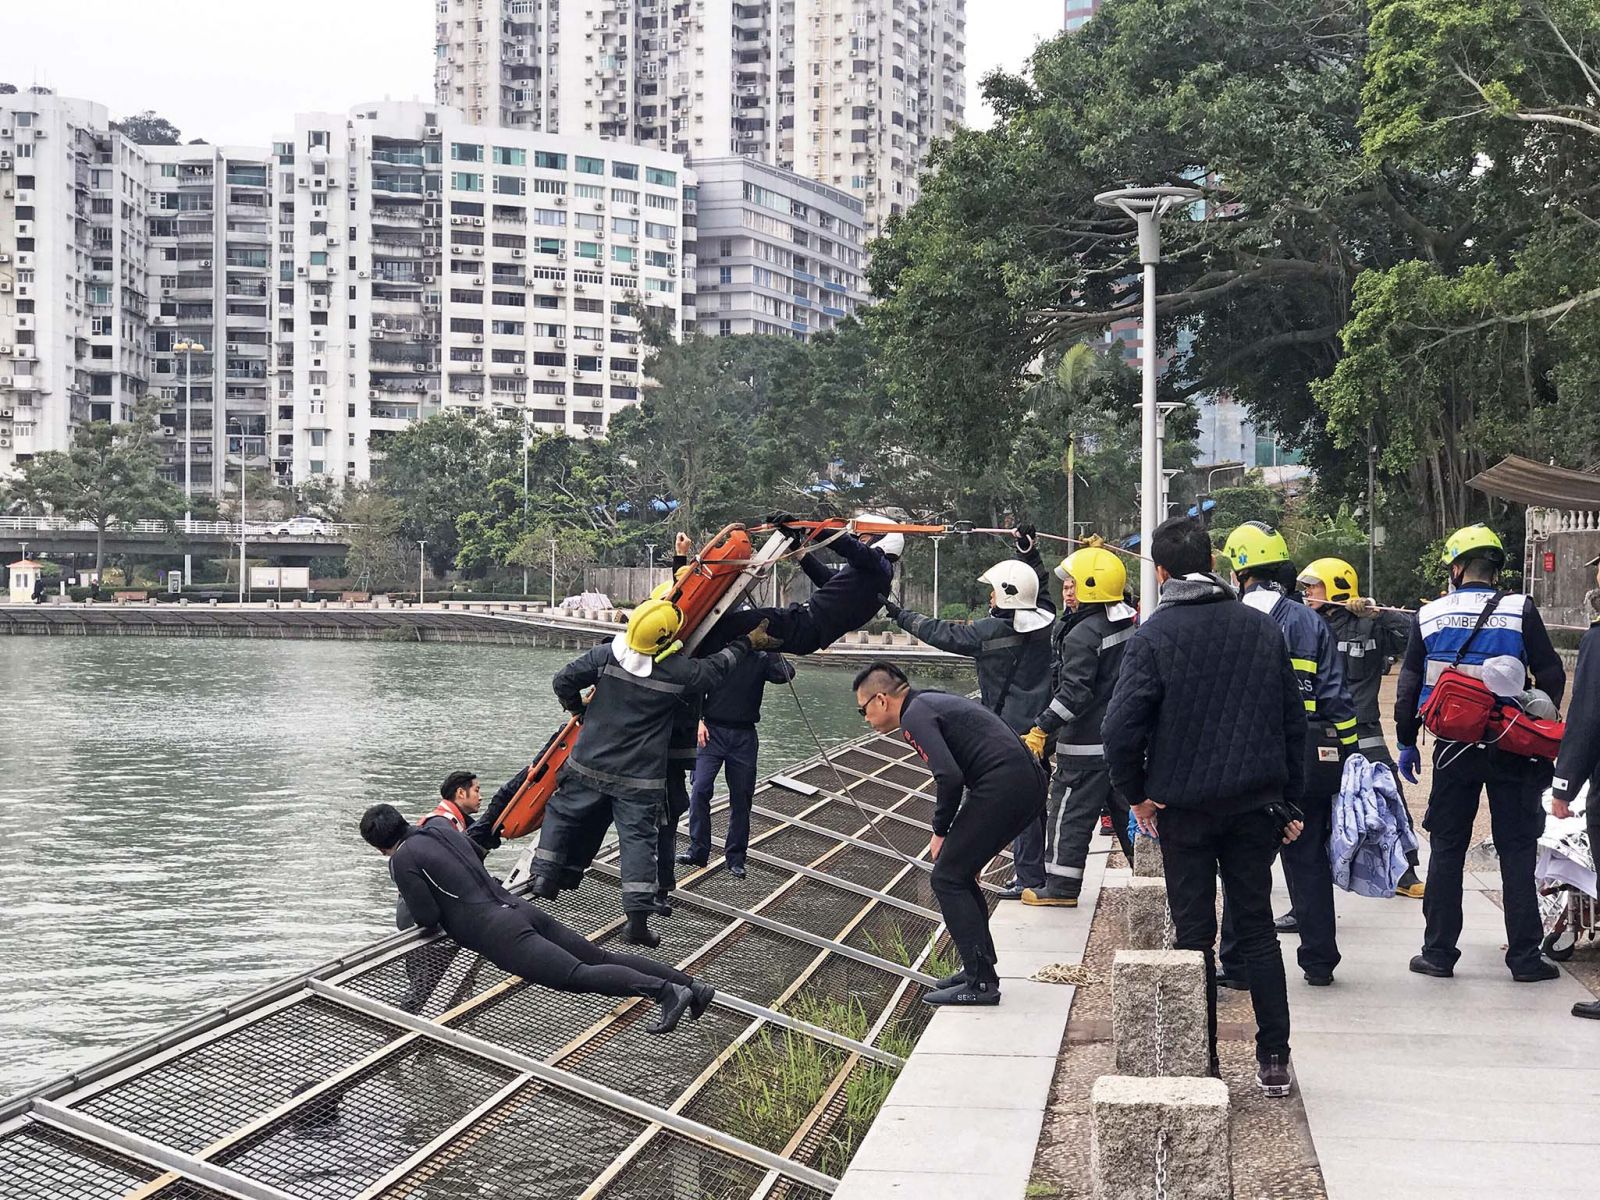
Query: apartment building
x=425, y=263
x=852, y=93
x=1078, y=13
x=74, y=280
x=777, y=253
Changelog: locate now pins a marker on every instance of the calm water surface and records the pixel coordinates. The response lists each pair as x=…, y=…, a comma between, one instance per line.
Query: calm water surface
x=180, y=815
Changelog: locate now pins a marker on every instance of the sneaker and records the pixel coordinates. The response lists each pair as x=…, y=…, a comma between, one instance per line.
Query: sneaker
x=1105, y=823
x=1274, y=1077
x=1589, y=1009
x=1424, y=965
x=1012, y=891
x=1316, y=980
x=1234, y=983
x=1540, y=972
x=1048, y=899
x=1287, y=923
x=675, y=1001
x=966, y=994
x=1409, y=885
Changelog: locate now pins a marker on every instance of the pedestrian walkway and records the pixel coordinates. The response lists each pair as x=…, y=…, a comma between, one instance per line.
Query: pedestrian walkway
x=1468, y=1087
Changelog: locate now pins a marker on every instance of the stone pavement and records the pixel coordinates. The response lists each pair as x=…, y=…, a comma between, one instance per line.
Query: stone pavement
x=1463, y=1088
x=964, y=1117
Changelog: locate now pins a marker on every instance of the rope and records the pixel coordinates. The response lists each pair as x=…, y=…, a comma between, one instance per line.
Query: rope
x=844, y=789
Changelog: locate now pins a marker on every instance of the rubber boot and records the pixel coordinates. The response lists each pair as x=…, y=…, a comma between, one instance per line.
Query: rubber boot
x=704, y=994
x=546, y=887
x=638, y=932
x=950, y=981
x=981, y=991
x=663, y=904
x=675, y=1000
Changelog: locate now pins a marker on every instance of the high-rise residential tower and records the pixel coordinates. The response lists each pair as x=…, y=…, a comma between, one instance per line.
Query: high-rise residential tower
x=850, y=93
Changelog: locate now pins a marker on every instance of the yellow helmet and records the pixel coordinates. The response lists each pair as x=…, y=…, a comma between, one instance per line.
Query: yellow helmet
x=1337, y=577
x=1474, y=537
x=662, y=590
x=1098, y=575
x=653, y=626
x=1255, y=544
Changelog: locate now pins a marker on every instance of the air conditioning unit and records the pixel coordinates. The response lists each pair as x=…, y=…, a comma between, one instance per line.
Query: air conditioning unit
x=597, y=402
x=302, y=181
x=8, y=194
x=5, y=285
x=457, y=248
x=519, y=370
x=519, y=253
x=562, y=400
x=4, y=442
x=672, y=243
x=333, y=241
x=561, y=285
x=478, y=337
x=599, y=347
x=205, y=264
x=373, y=394
x=633, y=209
x=432, y=131
x=361, y=274
x=599, y=206
x=5, y=347
x=477, y=252
x=561, y=343
x=633, y=268
x=4, y=257
x=477, y=368
x=580, y=287
x=478, y=221
x=433, y=195
x=561, y=201
x=477, y=281
x=302, y=272
x=562, y=256
x=166, y=291
x=427, y=279
x=6, y=414
x=553, y=372
x=378, y=334
x=458, y=220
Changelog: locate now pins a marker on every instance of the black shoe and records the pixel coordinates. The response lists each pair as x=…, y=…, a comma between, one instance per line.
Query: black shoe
x=689, y=860
x=950, y=981
x=546, y=887
x=638, y=932
x=1287, y=923
x=1410, y=886
x=1012, y=891
x=981, y=993
x=675, y=1001
x=738, y=872
x=1423, y=965
x=703, y=993
x=1587, y=1008
x=1319, y=980
x=1538, y=973
x=1274, y=1076
x=1233, y=983
x=664, y=904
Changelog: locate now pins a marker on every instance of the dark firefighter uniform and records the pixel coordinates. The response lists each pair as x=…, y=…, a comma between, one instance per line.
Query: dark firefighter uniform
x=1011, y=651
x=619, y=764
x=1089, y=644
x=1579, y=761
x=988, y=787
x=1461, y=773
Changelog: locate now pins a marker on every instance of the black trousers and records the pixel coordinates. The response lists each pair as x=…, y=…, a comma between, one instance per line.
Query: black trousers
x=667, y=835
x=1078, y=796
x=989, y=817
x=1516, y=818
x=1197, y=846
x=795, y=625
x=734, y=752
x=574, y=825
x=1309, y=874
x=524, y=940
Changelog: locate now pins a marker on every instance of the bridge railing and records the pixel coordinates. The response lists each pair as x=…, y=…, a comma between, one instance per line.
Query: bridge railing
x=231, y=529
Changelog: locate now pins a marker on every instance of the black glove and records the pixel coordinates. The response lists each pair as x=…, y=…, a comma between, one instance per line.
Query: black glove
x=891, y=607
x=1027, y=538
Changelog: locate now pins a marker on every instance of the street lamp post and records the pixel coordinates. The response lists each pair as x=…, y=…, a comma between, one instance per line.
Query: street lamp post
x=524, y=496
x=422, y=560
x=1146, y=206
x=936, y=542
x=240, y=424
x=187, y=349
x=552, y=572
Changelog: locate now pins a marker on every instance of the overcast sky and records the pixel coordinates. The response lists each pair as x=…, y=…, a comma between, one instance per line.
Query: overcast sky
x=238, y=70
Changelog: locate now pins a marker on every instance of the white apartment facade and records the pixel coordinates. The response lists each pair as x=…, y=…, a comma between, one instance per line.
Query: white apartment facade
x=851, y=93
x=425, y=263
x=778, y=254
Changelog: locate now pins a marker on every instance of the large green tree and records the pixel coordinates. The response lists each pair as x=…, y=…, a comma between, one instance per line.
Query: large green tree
x=109, y=477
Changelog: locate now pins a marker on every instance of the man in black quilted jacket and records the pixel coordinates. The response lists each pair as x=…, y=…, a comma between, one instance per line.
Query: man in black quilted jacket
x=1203, y=738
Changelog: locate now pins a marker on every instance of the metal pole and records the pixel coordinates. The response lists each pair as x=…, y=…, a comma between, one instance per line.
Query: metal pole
x=1150, y=453
x=1072, y=488
x=241, y=512
x=936, y=542
x=1372, y=515
x=524, y=497
x=188, y=469
x=552, y=572
x=422, y=560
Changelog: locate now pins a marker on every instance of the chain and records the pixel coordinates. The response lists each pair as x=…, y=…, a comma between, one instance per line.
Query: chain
x=1161, y=1164
x=1161, y=1031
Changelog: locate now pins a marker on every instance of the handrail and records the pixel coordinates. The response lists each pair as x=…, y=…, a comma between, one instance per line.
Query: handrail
x=328, y=532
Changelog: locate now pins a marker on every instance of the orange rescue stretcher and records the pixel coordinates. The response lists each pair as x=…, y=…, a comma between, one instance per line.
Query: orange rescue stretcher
x=705, y=588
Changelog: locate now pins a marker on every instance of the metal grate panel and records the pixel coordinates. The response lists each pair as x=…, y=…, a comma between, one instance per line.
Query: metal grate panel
x=843, y=995
x=190, y=1101
x=757, y=964
x=655, y=1069
x=797, y=845
x=538, y=1142
x=815, y=907
x=863, y=866
x=765, y=1092
x=187, y=1189
x=832, y=1142
x=718, y=884
x=785, y=800
x=892, y=933
x=535, y=1021
x=672, y=1167
x=41, y=1163
x=428, y=980
x=352, y=1135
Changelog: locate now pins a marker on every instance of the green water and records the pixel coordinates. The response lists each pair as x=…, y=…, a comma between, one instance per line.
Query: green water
x=180, y=815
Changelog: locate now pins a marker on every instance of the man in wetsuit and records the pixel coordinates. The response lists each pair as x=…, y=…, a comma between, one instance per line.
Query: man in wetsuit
x=444, y=884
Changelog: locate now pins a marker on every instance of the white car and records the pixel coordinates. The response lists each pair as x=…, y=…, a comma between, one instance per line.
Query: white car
x=301, y=527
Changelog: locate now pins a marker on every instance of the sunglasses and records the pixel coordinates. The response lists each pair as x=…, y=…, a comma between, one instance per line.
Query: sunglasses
x=862, y=708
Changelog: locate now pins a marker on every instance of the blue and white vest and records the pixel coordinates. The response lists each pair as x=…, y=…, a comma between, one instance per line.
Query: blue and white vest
x=1447, y=623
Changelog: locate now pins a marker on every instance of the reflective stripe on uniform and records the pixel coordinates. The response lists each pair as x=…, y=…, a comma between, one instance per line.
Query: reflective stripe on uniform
x=1061, y=710
x=638, y=887
x=1066, y=749
x=627, y=781
x=1357, y=649
x=1001, y=642
x=1372, y=743
x=1341, y=726
x=541, y=853
x=1308, y=665
x=1311, y=705
x=655, y=685
x=1432, y=669
x=1115, y=639
x=1050, y=868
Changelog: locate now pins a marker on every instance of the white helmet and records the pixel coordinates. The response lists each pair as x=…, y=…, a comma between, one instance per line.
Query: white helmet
x=892, y=544
x=1016, y=589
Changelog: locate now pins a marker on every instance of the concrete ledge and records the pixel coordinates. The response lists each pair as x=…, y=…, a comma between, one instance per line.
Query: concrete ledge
x=1174, y=1129
x=1145, y=909
x=1158, y=1012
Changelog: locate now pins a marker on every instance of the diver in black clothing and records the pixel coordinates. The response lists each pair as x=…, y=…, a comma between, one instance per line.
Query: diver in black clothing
x=444, y=883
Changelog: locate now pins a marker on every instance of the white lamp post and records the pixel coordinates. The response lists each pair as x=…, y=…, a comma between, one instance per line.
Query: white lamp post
x=187, y=348
x=240, y=424
x=524, y=496
x=422, y=562
x=1147, y=206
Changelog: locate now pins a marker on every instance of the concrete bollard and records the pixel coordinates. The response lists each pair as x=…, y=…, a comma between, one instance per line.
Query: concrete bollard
x=213, y=602
x=1172, y=982
x=322, y=604
x=1147, y=863
x=888, y=639
x=1174, y=1129
x=1144, y=907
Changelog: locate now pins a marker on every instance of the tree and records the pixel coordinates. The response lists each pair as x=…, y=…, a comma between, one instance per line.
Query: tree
x=148, y=129
x=8, y=89
x=108, y=477
x=378, y=556
x=563, y=549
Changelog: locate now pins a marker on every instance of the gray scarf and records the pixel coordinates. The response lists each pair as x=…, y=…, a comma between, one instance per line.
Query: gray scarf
x=1192, y=589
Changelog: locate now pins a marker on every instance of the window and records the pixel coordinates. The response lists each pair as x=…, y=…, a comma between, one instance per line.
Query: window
x=624, y=225
x=547, y=301
x=464, y=181
x=549, y=245
x=661, y=178
x=549, y=160
x=588, y=333
x=665, y=203
x=550, y=187
x=589, y=166
x=510, y=156
x=584, y=304
x=461, y=152
x=588, y=362
x=549, y=358
x=510, y=185
x=623, y=196
x=549, y=216
x=621, y=391
x=509, y=299
x=624, y=254
x=587, y=250
x=624, y=170
x=511, y=327
x=319, y=258
x=589, y=221
x=588, y=191
x=654, y=230
x=724, y=274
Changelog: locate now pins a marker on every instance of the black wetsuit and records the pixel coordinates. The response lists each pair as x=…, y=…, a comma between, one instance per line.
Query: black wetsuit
x=444, y=883
x=847, y=597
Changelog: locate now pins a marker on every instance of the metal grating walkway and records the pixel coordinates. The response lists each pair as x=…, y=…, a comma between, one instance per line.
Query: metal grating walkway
x=415, y=1070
